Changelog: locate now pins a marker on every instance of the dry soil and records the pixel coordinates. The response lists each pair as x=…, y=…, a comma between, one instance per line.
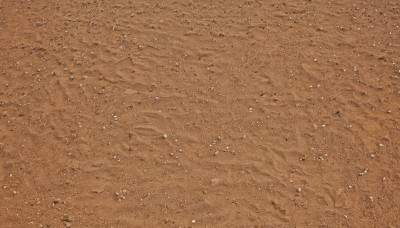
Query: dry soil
x=211, y=113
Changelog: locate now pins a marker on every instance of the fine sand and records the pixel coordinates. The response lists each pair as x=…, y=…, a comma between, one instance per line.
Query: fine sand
x=212, y=113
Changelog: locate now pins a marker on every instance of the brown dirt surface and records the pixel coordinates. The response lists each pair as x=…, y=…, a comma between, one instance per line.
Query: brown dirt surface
x=189, y=113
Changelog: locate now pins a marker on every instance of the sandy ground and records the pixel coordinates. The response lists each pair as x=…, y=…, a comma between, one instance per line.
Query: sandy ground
x=206, y=113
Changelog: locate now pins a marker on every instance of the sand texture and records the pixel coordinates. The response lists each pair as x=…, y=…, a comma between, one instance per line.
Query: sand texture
x=211, y=113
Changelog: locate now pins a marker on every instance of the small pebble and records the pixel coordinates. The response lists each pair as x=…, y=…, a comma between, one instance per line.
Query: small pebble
x=363, y=172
